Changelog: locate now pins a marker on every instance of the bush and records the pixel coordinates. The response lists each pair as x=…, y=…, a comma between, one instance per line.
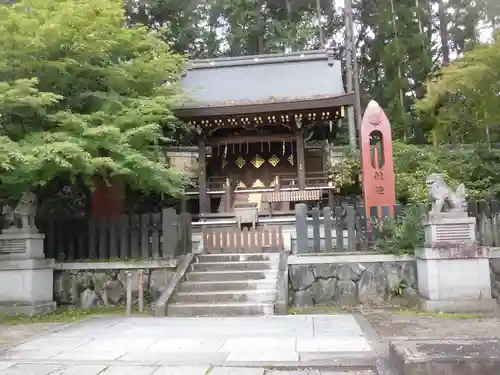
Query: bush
x=401, y=235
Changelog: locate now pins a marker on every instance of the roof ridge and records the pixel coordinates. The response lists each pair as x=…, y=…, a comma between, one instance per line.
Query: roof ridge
x=260, y=59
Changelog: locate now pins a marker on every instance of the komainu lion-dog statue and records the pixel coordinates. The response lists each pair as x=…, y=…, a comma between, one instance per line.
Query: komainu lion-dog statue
x=23, y=215
x=440, y=192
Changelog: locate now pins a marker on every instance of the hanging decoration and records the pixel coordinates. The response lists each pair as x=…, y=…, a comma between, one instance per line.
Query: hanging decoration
x=240, y=162
x=283, y=148
x=290, y=159
x=224, y=163
x=274, y=160
x=241, y=185
x=225, y=151
x=258, y=184
x=257, y=161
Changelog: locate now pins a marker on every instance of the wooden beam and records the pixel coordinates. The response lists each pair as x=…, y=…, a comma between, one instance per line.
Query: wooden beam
x=238, y=139
x=301, y=167
x=202, y=177
x=229, y=196
x=255, y=108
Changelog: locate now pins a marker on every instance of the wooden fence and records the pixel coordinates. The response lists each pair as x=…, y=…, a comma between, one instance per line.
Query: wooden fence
x=246, y=240
x=162, y=235
x=353, y=228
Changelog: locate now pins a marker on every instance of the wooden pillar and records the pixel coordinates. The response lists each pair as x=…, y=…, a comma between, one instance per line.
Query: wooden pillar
x=301, y=228
x=202, y=177
x=330, y=199
x=229, y=196
x=301, y=167
x=183, y=204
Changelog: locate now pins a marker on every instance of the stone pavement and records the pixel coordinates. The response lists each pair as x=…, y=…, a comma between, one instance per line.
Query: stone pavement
x=198, y=346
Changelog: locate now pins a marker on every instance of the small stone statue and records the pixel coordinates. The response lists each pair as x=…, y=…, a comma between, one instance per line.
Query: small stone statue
x=24, y=214
x=440, y=192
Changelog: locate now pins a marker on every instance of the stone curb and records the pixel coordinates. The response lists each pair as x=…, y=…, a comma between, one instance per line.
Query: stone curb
x=160, y=306
x=338, y=364
x=115, y=265
x=281, y=305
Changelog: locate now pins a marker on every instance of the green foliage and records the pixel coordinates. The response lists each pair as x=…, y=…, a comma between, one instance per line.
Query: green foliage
x=474, y=166
x=465, y=95
x=401, y=235
x=400, y=288
x=66, y=315
x=344, y=173
x=83, y=95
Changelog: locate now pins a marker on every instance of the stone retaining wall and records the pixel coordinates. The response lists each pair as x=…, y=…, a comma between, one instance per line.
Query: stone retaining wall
x=495, y=276
x=347, y=280
x=103, y=284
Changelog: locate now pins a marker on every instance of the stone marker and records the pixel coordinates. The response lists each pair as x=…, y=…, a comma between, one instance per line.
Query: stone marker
x=446, y=357
x=453, y=271
x=128, y=302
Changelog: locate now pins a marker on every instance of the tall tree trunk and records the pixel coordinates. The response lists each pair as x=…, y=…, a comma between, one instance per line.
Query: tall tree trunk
x=261, y=48
x=318, y=15
x=420, y=27
x=443, y=32
x=400, y=74
x=349, y=67
x=290, y=40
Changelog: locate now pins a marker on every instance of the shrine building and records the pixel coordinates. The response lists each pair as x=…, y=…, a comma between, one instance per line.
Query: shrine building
x=263, y=128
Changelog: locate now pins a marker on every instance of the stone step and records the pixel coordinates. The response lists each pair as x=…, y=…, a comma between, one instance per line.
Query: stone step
x=255, y=296
x=220, y=309
x=214, y=286
x=238, y=257
x=232, y=275
x=238, y=266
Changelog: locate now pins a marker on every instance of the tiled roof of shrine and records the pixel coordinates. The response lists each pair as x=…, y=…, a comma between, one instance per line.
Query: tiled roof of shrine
x=264, y=79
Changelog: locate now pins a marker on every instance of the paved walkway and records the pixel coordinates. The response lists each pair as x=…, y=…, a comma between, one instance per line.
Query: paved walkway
x=196, y=346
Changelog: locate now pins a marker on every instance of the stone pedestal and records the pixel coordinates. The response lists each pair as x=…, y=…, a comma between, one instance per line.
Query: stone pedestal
x=453, y=272
x=453, y=357
x=26, y=277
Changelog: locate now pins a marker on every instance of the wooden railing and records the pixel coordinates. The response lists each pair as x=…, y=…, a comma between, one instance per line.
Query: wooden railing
x=217, y=185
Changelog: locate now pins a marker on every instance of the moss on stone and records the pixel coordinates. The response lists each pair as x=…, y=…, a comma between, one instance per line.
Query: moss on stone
x=67, y=315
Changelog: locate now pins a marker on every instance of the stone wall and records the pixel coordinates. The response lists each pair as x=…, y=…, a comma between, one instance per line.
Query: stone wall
x=104, y=284
x=495, y=277
x=348, y=280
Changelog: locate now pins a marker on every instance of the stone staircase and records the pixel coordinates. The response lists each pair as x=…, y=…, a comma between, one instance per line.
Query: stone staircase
x=228, y=285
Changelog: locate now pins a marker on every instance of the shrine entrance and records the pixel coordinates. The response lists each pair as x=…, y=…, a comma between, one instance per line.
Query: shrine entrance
x=263, y=144
x=254, y=165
